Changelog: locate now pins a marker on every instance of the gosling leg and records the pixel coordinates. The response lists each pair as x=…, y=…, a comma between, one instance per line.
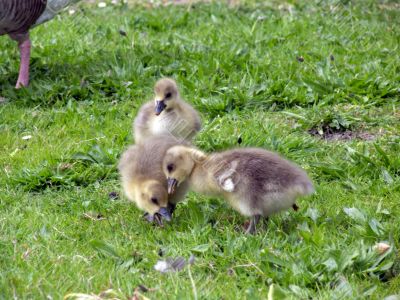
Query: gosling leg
x=253, y=223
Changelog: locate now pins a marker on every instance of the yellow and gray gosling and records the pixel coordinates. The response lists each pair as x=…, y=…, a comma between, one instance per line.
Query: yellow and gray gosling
x=255, y=182
x=143, y=180
x=168, y=114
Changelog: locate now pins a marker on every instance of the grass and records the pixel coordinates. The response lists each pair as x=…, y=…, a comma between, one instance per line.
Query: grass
x=262, y=72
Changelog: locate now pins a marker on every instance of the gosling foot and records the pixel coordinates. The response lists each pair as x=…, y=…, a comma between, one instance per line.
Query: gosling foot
x=251, y=229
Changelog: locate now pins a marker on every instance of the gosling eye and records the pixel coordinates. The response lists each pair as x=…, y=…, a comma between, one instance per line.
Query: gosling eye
x=154, y=200
x=170, y=167
x=168, y=95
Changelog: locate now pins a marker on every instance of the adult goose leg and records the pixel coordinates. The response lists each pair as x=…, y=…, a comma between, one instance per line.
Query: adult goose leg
x=24, y=45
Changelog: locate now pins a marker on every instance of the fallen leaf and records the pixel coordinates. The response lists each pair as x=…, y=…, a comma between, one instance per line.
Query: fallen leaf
x=65, y=166
x=381, y=247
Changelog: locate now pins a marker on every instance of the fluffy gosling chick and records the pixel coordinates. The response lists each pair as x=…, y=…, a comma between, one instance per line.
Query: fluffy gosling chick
x=143, y=180
x=168, y=114
x=255, y=182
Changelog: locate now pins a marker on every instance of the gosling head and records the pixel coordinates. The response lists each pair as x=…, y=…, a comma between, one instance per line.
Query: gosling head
x=152, y=197
x=166, y=94
x=178, y=164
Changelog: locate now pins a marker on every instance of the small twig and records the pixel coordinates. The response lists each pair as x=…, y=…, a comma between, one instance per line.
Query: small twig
x=82, y=258
x=63, y=234
x=93, y=139
x=250, y=265
x=93, y=218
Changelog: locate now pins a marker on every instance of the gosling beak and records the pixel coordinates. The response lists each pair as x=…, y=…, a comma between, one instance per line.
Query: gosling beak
x=158, y=219
x=165, y=213
x=172, y=184
x=160, y=106
x=148, y=217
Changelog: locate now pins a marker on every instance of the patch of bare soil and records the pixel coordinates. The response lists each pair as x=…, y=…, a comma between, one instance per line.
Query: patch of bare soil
x=333, y=134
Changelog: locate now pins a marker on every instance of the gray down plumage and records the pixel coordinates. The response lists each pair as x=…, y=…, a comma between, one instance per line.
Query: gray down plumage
x=18, y=16
x=53, y=7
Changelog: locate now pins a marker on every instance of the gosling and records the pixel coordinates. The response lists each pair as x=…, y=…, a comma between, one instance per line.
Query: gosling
x=143, y=180
x=168, y=114
x=255, y=182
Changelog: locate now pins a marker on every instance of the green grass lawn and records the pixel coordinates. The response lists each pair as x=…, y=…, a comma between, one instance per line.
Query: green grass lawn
x=277, y=76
